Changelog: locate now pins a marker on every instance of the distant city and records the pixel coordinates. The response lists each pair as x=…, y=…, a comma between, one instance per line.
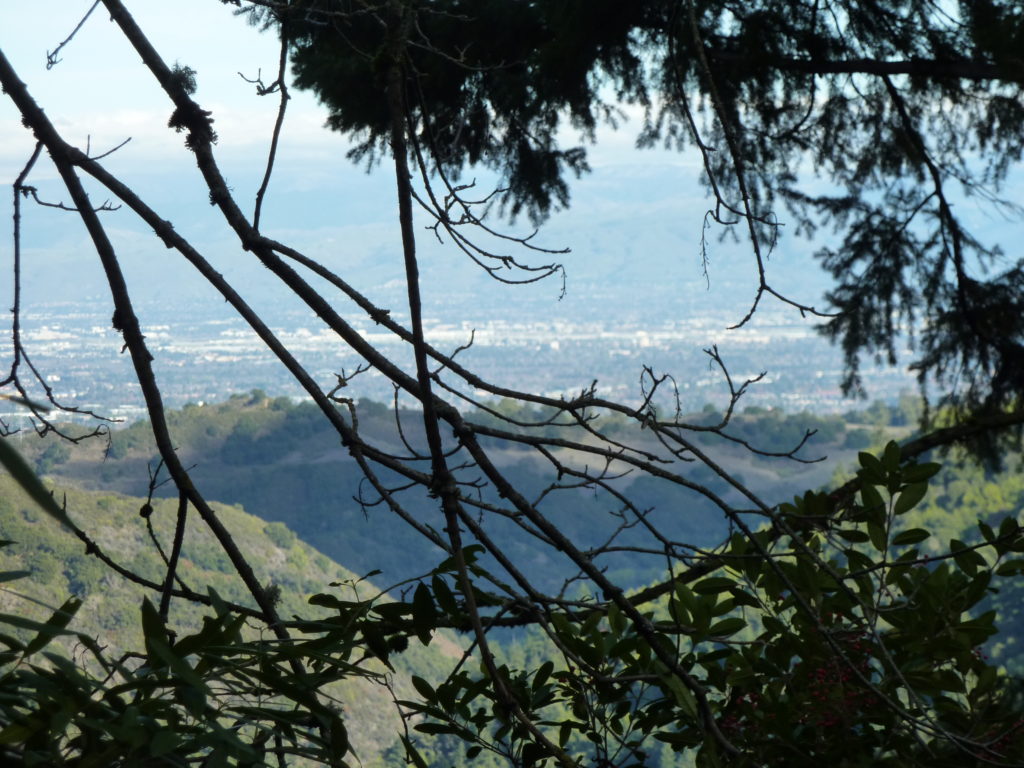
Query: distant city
x=204, y=355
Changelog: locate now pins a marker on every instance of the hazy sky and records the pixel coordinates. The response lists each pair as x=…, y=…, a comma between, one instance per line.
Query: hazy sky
x=100, y=87
x=101, y=94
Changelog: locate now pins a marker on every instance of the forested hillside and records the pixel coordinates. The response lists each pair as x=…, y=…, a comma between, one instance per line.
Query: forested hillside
x=278, y=461
x=246, y=431
x=282, y=462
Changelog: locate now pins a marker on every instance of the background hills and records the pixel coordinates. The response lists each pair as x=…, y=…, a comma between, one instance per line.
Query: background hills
x=281, y=462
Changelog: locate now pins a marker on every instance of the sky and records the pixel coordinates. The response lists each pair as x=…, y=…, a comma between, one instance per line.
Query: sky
x=100, y=94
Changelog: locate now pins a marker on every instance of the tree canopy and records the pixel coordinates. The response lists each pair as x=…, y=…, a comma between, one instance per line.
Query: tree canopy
x=825, y=629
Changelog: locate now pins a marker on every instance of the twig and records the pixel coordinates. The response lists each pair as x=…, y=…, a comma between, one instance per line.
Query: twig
x=51, y=56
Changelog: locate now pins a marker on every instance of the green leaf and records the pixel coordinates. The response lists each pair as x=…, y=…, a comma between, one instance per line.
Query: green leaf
x=435, y=728
x=857, y=561
x=424, y=688
x=773, y=625
x=534, y=753
x=675, y=738
x=16, y=733
x=968, y=560
x=424, y=615
x=686, y=597
x=324, y=600
x=977, y=589
x=727, y=627
x=712, y=657
x=470, y=555
x=910, y=536
x=909, y=497
x=714, y=585
x=339, y=739
x=986, y=531
x=616, y=621
x=877, y=535
x=162, y=742
x=977, y=631
x=54, y=625
x=1011, y=568
x=160, y=651
x=874, y=506
x=678, y=613
x=986, y=680
x=445, y=597
x=683, y=696
x=918, y=473
x=852, y=534
x=413, y=754
x=891, y=457
x=542, y=675
x=30, y=483
x=564, y=733
x=589, y=625
x=741, y=597
x=872, y=471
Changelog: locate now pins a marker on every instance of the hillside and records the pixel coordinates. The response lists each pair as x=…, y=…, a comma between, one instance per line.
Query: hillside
x=60, y=567
x=281, y=462
x=274, y=455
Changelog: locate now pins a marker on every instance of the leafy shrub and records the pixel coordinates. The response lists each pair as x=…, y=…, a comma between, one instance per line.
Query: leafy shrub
x=280, y=535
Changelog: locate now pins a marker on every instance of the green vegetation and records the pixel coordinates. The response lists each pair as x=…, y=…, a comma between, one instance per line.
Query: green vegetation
x=282, y=462
x=786, y=690
x=779, y=684
x=303, y=484
x=845, y=627
x=967, y=505
x=51, y=564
